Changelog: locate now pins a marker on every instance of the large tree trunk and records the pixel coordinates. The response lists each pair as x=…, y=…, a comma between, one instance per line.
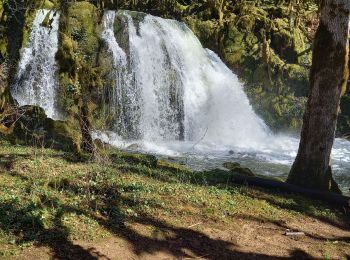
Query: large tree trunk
x=328, y=80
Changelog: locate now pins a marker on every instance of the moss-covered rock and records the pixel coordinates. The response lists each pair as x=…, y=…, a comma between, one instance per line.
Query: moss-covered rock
x=134, y=158
x=47, y=4
x=77, y=54
x=268, y=46
x=171, y=166
x=207, y=31
x=80, y=75
x=237, y=168
x=30, y=125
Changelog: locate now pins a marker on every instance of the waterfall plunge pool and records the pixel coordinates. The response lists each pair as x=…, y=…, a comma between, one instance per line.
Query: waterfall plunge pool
x=272, y=160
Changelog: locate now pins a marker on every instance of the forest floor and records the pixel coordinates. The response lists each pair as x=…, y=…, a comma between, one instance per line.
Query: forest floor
x=54, y=205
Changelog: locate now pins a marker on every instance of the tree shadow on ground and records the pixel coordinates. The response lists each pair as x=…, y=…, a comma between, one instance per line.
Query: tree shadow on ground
x=178, y=242
x=305, y=206
x=181, y=243
x=27, y=227
x=185, y=243
x=225, y=180
x=283, y=227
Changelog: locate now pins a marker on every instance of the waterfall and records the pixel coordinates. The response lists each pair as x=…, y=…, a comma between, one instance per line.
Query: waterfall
x=36, y=82
x=124, y=96
x=167, y=95
x=168, y=87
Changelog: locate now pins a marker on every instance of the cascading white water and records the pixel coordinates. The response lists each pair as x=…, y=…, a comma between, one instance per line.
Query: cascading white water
x=124, y=97
x=170, y=88
x=36, y=81
x=173, y=97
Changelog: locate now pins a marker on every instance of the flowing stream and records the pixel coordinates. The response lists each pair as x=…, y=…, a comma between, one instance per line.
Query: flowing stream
x=175, y=99
x=36, y=82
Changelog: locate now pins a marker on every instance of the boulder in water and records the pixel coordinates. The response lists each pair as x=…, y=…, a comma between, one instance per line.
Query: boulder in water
x=237, y=168
x=173, y=166
x=133, y=147
x=134, y=158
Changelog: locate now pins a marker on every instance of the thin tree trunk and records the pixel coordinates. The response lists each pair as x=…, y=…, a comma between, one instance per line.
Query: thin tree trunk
x=328, y=80
x=87, y=144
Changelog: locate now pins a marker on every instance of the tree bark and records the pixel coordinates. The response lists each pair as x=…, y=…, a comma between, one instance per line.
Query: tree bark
x=328, y=79
x=87, y=144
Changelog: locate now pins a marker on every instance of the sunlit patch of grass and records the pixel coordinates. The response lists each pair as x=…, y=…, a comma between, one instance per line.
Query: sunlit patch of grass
x=82, y=227
x=48, y=193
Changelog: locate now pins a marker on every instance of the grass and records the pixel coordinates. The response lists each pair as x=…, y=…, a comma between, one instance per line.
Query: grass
x=48, y=196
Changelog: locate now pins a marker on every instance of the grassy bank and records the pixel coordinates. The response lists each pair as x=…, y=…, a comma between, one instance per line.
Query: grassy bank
x=53, y=199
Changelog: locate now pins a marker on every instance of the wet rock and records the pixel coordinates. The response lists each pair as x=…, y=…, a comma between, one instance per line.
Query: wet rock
x=100, y=144
x=134, y=158
x=133, y=147
x=237, y=168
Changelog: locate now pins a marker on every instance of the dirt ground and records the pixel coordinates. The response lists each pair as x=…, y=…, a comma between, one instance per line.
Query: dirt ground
x=246, y=239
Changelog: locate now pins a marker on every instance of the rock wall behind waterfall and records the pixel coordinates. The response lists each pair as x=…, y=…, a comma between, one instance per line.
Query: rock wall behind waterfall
x=79, y=47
